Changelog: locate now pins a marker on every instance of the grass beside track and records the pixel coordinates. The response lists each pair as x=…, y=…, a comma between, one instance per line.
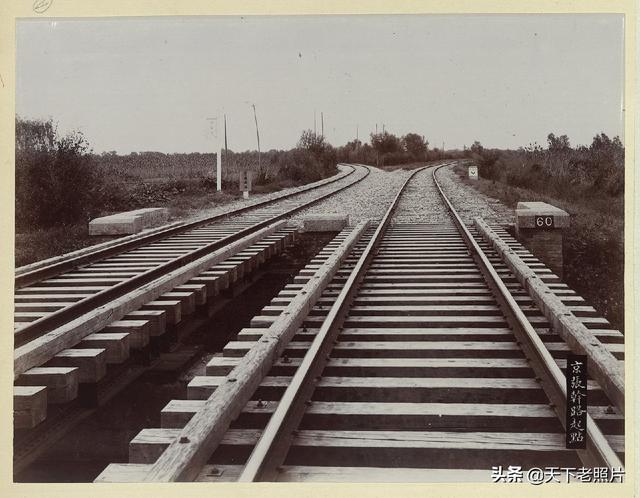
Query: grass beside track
x=593, y=246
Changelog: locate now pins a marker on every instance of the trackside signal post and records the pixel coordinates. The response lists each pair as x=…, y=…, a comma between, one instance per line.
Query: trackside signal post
x=539, y=227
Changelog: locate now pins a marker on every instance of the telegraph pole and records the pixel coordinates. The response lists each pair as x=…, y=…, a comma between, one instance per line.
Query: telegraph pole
x=322, y=123
x=377, y=159
x=226, y=150
x=255, y=117
x=225, y=134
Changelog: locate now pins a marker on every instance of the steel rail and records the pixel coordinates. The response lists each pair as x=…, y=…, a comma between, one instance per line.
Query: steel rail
x=185, y=456
x=45, y=324
x=553, y=381
x=271, y=449
x=24, y=279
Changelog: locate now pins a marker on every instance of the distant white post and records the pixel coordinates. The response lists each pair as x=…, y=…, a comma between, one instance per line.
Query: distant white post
x=213, y=130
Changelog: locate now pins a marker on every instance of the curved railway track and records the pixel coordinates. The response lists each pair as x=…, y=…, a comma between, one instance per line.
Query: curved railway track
x=38, y=271
x=80, y=319
x=402, y=352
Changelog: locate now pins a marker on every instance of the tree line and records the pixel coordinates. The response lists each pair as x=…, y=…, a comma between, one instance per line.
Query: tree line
x=60, y=180
x=386, y=149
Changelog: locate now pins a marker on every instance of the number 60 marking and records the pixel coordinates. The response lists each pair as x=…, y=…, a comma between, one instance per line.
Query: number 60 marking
x=544, y=221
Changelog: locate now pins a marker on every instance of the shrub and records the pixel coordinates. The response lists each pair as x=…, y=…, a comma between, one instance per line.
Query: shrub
x=582, y=174
x=56, y=180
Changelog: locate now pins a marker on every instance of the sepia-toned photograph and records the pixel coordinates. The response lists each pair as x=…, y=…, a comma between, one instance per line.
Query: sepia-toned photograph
x=320, y=248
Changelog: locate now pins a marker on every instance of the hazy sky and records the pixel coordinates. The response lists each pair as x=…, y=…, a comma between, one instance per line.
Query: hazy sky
x=134, y=84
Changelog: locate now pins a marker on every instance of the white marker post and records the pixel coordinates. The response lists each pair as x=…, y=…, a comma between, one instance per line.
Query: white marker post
x=213, y=130
x=473, y=172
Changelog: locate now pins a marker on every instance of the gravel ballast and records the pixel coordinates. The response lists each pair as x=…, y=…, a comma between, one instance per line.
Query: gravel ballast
x=367, y=200
x=420, y=203
x=469, y=202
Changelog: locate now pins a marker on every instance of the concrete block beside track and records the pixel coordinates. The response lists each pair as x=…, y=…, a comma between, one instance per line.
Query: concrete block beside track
x=539, y=227
x=527, y=212
x=129, y=222
x=325, y=222
x=116, y=224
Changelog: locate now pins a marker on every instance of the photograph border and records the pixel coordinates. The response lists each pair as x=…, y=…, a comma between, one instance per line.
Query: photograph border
x=12, y=10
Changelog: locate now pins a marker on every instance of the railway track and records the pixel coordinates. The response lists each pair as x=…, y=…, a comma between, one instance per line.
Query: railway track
x=80, y=321
x=124, y=266
x=402, y=352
